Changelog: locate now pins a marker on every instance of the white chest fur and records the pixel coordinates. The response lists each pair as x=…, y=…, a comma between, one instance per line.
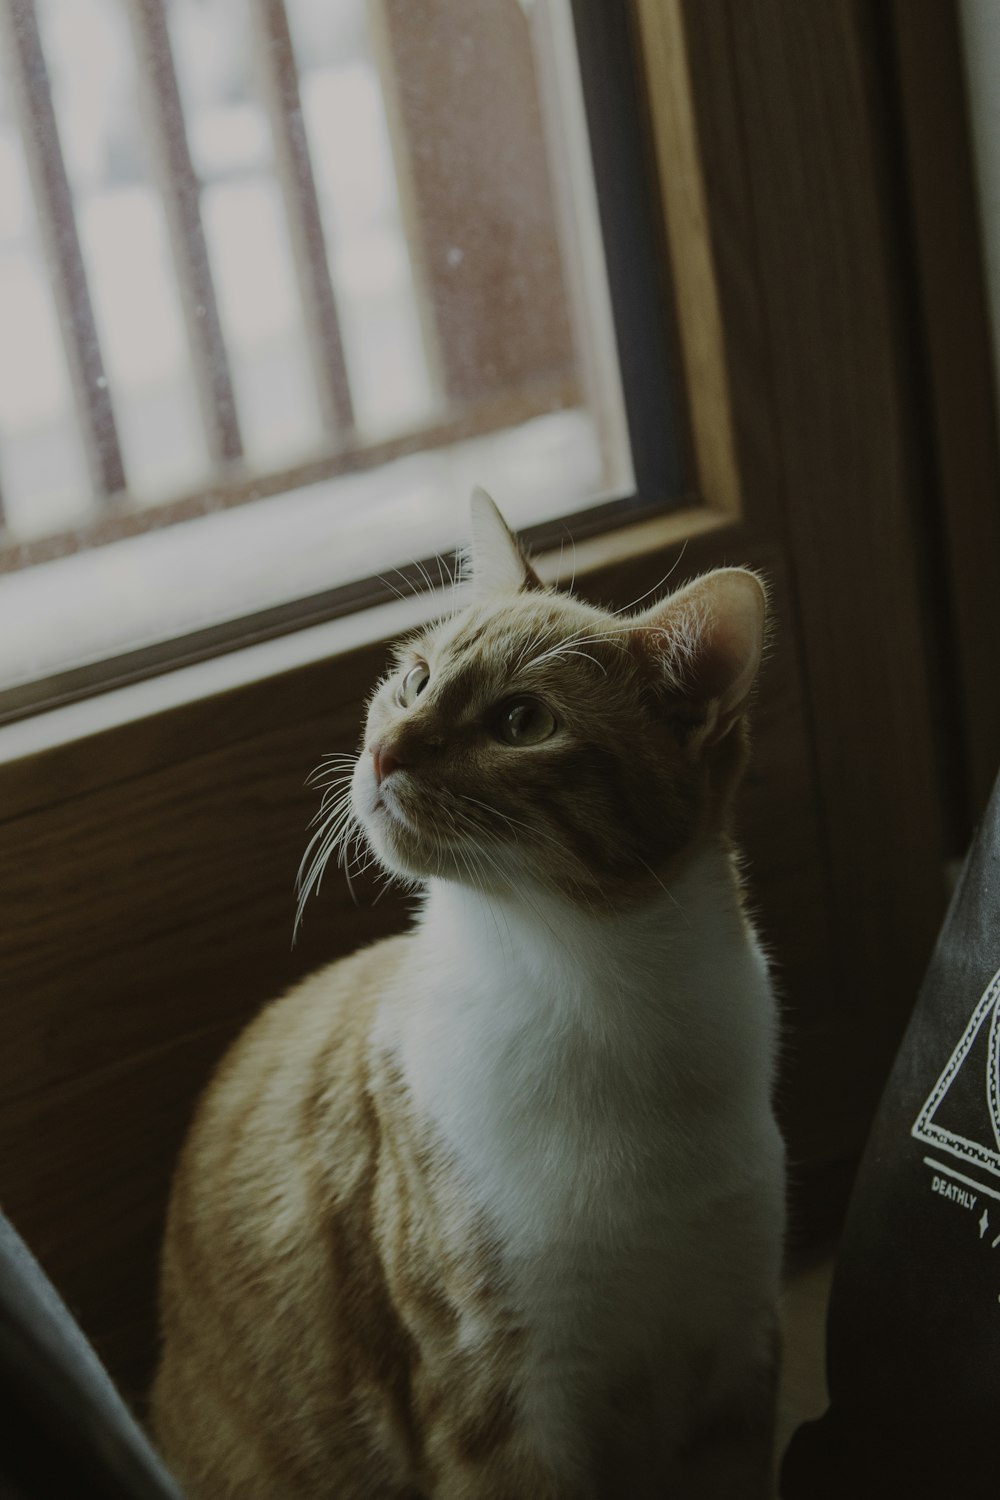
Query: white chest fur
x=605, y=1083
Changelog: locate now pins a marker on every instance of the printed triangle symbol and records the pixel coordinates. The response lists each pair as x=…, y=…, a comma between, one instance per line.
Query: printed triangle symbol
x=962, y=1112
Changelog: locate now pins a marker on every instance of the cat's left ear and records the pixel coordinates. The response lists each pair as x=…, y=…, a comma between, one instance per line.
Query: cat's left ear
x=705, y=644
x=495, y=563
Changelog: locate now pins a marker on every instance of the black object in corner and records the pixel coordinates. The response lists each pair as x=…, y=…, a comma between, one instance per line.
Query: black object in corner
x=913, y=1330
x=67, y=1434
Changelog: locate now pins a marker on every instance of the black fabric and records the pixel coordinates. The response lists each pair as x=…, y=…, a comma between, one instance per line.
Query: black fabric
x=67, y=1434
x=913, y=1331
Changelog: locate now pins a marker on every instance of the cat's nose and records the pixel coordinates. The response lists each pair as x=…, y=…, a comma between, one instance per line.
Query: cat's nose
x=386, y=759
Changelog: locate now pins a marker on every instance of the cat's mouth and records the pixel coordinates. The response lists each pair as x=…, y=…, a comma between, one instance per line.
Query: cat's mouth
x=391, y=822
x=391, y=827
x=388, y=803
x=400, y=835
x=408, y=827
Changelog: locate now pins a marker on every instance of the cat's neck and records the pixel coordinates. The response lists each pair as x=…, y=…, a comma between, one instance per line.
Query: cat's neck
x=538, y=937
x=532, y=970
x=519, y=1021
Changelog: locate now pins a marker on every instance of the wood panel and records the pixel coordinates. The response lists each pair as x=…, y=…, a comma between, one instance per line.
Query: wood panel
x=708, y=335
x=953, y=346
x=810, y=263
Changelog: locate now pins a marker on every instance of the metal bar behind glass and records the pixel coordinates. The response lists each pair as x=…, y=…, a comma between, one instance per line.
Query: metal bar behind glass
x=181, y=195
x=610, y=66
x=280, y=83
x=57, y=227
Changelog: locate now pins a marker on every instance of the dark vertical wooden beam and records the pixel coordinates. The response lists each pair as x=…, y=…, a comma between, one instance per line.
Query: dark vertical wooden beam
x=181, y=193
x=822, y=243
x=957, y=368
x=280, y=81
x=54, y=209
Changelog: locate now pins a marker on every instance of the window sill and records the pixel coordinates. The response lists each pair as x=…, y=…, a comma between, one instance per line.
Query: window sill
x=161, y=719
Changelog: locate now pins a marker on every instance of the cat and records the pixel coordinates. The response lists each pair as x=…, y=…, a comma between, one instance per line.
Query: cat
x=493, y=1210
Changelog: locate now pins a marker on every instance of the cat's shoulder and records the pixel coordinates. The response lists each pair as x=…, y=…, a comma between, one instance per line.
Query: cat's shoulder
x=338, y=997
x=313, y=1040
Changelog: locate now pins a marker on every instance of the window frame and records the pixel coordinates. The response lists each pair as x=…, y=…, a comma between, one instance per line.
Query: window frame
x=641, y=302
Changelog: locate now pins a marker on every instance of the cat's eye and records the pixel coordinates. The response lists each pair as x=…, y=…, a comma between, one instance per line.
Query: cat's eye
x=525, y=721
x=413, y=684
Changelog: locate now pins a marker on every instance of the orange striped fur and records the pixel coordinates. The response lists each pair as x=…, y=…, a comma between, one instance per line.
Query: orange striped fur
x=493, y=1210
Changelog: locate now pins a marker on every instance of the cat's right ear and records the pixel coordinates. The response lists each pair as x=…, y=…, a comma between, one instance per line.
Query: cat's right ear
x=704, y=644
x=494, y=561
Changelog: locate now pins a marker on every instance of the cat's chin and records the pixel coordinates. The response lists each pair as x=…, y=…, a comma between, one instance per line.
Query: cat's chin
x=406, y=855
x=397, y=845
x=409, y=852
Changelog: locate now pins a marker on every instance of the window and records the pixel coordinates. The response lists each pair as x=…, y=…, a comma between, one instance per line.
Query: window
x=281, y=282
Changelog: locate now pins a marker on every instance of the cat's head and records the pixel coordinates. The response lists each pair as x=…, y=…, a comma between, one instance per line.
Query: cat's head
x=533, y=738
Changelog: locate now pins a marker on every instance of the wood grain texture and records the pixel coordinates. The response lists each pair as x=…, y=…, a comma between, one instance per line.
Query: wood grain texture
x=811, y=159
x=688, y=226
x=953, y=342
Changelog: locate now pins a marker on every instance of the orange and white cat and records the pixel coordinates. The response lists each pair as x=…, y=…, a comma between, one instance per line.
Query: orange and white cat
x=493, y=1210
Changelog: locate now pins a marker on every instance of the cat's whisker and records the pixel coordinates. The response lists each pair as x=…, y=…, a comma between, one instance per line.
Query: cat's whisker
x=514, y=823
x=362, y=863
x=664, y=888
x=335, y=824
x=536, y=638
x=504, y=878
x=345, y=835
x=332, y=786
x=567, y=536
x=339, y=767
x=312, y=880
x=329, y=766
x=517, y=663
x=428, y=583
x=381, y=578
x=334, y=821
x=325, y=775
x=334, y=781
x=387, y=880
x=473, y=865
x=409, y=584
x=559, y=653
x=495, y=812
x=479, y=856
x=449, y=578
x=333, y=804
x=345, y=859
x=308, y=859
x=334, y=801
x=627, y=608
x=352, y=837
x=585, y=637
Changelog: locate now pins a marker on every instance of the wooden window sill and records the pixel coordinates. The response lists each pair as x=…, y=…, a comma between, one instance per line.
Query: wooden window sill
x=44, y=758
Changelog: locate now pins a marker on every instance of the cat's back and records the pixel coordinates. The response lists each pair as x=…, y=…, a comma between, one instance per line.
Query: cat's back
x=271, y=1206
x=287, y=1100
